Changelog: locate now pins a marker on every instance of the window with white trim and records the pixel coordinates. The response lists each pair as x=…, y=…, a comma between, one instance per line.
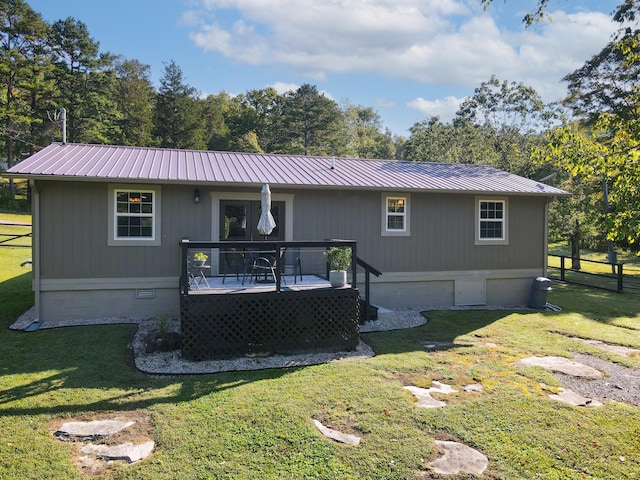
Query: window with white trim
x=491, y=221
x=134, y=214
x=396, y=214
x=395, y=220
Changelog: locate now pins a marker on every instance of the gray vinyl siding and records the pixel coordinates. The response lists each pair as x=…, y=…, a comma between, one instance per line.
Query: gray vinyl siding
x=74, y=231
x=442, y=231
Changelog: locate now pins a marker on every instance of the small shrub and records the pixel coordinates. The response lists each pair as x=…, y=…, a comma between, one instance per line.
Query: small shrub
x=339, y=258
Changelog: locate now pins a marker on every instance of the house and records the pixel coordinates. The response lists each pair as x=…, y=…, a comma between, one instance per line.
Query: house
x=108, y=220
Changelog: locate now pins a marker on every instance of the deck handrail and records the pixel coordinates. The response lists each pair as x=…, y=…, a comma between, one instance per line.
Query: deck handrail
x=276, y=246
x=368, y=270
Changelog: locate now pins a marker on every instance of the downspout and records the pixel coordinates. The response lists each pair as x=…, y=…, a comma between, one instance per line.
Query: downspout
x=35, y=249
x=546, y=237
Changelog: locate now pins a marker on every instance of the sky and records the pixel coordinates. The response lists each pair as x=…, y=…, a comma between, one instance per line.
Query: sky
x=407, y=59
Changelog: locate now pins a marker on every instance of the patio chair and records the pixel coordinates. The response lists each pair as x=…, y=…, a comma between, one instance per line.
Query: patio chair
x=291, y=261
x=233, y=261
x=263, y=266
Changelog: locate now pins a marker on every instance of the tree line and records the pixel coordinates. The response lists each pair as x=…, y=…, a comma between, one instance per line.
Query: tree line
x=111, y=99
x=587, y=144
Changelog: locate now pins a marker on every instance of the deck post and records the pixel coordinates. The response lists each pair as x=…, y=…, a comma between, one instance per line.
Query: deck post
x=184, y=277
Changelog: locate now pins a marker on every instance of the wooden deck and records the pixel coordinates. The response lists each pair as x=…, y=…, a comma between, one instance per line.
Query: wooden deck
x=231, y=285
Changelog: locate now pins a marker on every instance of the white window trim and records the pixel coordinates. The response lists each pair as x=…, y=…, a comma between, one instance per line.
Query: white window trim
x=505, y=222
x=155, y=239
x=385, y=231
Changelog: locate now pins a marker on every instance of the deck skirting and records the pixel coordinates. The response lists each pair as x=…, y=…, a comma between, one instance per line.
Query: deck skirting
x=269, y=322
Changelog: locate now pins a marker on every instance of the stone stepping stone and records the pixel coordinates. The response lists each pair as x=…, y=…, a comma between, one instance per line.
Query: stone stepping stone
x=619, y=349
x=127, y=452
x=336, y=435
x=563, y=365
x=458, y=458
x=425, y=400
x=87, y=431
x=475, y=387
x=441, y=388
x=572, y=398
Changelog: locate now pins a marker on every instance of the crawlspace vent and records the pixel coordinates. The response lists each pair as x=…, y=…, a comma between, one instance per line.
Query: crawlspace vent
x=145, y=293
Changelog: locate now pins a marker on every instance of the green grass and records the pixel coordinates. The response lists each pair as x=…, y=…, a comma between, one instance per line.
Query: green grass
x=257, y=425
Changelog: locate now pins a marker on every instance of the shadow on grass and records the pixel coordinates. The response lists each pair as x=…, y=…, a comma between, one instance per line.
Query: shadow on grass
x=16, y=298
x=442, y=328
x=80, y=369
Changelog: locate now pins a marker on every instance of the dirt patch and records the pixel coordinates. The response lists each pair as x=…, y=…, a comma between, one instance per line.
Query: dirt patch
x=140, y=432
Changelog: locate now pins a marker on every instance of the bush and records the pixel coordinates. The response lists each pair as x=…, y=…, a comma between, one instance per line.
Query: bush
x=19, y=204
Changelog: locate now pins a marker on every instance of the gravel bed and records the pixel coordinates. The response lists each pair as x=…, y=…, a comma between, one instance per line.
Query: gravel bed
x=621, y=384
x=173, y=363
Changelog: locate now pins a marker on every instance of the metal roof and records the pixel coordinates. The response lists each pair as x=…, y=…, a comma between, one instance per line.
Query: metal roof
x=158, y=165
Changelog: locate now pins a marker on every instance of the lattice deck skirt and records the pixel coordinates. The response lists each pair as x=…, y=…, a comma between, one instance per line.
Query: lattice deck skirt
x=218, y=325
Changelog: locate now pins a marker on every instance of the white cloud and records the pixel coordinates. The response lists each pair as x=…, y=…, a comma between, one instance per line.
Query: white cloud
x=445, y=108
x=448, y=42
x=282, y=87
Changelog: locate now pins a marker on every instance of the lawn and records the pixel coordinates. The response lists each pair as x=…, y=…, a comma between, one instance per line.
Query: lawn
x=257, y=425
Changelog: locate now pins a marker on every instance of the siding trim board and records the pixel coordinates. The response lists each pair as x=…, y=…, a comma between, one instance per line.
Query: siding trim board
x=76, y=284
x=403, y=277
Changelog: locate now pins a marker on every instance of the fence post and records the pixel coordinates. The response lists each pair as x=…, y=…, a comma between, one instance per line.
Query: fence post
x=620, y=277
x=562, y=257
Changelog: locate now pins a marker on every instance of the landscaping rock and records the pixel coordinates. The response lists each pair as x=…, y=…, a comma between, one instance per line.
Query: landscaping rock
x=425, y=400
x=458, y=458
x=608, y=347
x=439, y=387
x=336, y=435
x=476, y=387
x=573, y=398
x=127, y=452
x=87, y=431
x=563, y=365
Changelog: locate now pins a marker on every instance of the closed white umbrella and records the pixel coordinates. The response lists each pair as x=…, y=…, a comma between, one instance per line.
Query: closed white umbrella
x=266, y=224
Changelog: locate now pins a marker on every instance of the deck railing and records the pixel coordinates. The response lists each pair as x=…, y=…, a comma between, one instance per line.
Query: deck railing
x=278, y=249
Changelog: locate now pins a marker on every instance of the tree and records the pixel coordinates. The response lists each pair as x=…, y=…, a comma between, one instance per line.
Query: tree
x=178, y=118
x=605, y=96
x=512, y=116
x=537, y=15
x=215, y=110
x=85, y=78
x=22, y=34
x=455, y=142
x=134, y=96
x=363, y=133
x=310, y=123
x=498, y=125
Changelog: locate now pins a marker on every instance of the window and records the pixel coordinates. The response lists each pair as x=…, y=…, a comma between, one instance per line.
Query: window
x=491, y=228
x=395, y=215
x=491, y=220
x=135, y=215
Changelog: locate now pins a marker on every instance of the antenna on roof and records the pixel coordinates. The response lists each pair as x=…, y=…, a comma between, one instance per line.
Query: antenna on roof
x=60, y=115
x=63, y=115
